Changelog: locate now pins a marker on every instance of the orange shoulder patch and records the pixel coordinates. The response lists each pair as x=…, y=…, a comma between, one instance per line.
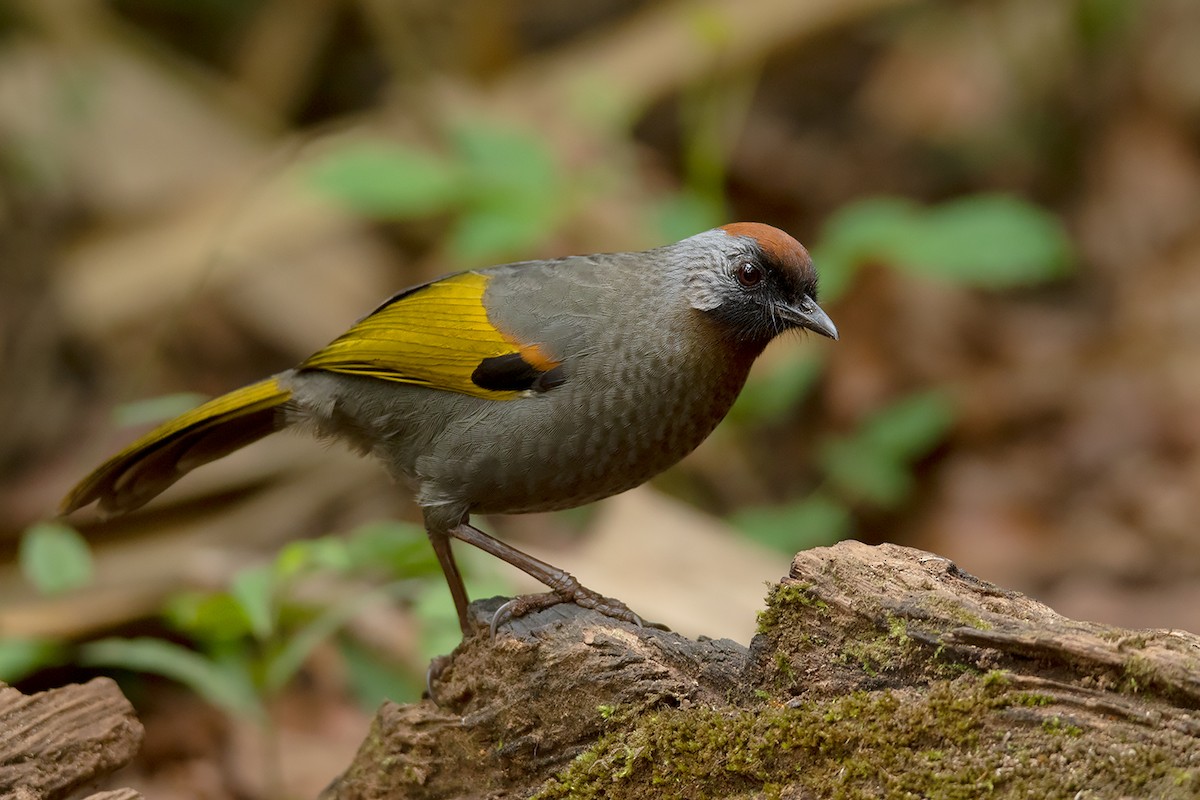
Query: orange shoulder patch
x=437, y=335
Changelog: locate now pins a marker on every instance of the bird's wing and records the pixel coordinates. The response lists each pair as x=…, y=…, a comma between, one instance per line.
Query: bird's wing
x=439, y=335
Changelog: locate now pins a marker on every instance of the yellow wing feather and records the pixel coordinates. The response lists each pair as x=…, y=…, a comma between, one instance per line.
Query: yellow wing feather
x=435, y=336
x=134, y=475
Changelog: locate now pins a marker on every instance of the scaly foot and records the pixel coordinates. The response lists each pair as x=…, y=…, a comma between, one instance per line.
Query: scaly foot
x=579, y=595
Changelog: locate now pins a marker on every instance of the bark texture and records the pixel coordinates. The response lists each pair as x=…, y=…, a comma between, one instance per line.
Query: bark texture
x=56, y=743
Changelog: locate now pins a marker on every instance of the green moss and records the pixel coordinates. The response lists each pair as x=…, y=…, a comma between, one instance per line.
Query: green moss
x=996, y=679
x=952, y=669
x=1124, y=639
x=956, y=613
x=897, y=629
x=881, y=653
x=787, y=596
x=784, y=666
x=870, y=656
x=942, y=743
x=714, y=753
x=1140, y=675
x=1058, y=726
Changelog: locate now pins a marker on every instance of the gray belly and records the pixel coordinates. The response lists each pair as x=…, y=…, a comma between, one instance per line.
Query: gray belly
x=590, y=438
x=574, y=444
x=560, y=452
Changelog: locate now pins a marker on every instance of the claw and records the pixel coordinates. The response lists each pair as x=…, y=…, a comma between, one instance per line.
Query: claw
x=503, y=614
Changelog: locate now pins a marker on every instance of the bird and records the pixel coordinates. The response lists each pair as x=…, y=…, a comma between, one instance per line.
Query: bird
x=525, y=387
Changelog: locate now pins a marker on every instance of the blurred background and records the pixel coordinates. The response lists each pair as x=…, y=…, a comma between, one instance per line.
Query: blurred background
x=1003, y=198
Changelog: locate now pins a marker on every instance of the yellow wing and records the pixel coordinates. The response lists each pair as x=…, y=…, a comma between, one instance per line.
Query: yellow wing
x=436, y=335
x=164, y=455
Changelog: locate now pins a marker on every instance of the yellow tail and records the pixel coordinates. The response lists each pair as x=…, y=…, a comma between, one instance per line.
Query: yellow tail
x=145, y=468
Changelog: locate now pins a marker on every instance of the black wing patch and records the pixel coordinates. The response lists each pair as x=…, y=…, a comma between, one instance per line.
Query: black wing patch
x=512, y=373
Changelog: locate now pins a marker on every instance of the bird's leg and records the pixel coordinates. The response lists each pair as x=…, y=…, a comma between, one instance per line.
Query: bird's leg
x=565, y=588
x=445, y=556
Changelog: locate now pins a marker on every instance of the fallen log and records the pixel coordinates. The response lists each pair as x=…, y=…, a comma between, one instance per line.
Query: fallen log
x=877, y=672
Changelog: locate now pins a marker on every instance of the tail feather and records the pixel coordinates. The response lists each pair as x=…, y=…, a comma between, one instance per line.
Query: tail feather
x=147, y=467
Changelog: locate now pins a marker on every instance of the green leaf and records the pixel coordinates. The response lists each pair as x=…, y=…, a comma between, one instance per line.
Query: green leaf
x=817, y=520
x=254, y=591
x=156, y=409
x=771, y=394
x=991, y=241
x=1101, y=21
x=688, y=213
x=910, y=427
x=22, y=656
x=399, y=547
x=226, y=685
x=708, y=27
x=293, y=558
x=865, y=473
x=514, y=196
x=389, y=180
x=505, y=163
x=207, y=617
x=330, y=553
x=373, y=678
x=857, y=235
x=55, y=558
x=282, y=666
x=324, y=553
x=434, y=607
x=490, y=232
x=874, y=463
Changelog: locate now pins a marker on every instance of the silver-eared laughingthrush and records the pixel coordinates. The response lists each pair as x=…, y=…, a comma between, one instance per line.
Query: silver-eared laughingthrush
x=525, y=387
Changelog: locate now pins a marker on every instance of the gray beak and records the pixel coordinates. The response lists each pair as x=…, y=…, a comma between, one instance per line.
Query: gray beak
x=807, y=314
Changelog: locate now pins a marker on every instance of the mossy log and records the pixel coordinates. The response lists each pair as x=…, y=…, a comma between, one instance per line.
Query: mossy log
x=877, y=672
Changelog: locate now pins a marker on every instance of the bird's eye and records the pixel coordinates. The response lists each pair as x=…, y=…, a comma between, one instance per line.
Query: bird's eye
x=748, y=275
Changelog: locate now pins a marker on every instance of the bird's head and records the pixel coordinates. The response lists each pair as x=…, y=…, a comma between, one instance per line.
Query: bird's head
x=755, y=279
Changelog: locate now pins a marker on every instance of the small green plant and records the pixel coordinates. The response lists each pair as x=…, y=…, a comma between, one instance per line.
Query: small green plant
x=246, y=642
x=54, y=559
x=250, y=640
x=872, y=466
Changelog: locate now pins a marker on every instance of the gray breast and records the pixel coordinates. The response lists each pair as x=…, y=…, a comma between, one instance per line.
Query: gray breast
x=619, y=420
